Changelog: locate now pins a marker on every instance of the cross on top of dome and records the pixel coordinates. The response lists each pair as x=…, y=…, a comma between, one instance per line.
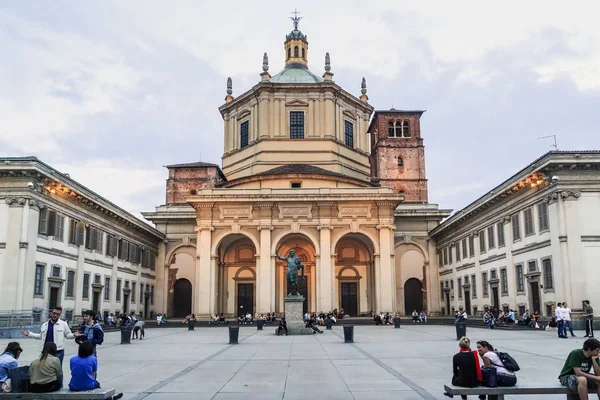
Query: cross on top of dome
x=296, y=19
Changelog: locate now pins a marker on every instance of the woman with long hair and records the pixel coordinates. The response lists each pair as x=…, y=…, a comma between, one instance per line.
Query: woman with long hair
x=45, y=373
x=465, y=366
x=491, y=359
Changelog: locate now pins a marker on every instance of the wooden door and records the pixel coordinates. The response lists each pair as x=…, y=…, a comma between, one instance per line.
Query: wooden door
x=245, y=298
x=350, y=298
x=535, y=297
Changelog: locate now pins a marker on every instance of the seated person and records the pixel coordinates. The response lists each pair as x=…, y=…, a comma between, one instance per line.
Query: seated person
x=378, y=320
x=313, y=325
x=387, y=319
x=341, y=314
x=502, y=317
x=423, y=316
x=45, y=373
x=525, y=318
x=83, y=370
x=510, y=318
x=222, y=318
x=8, y=359
x=415, y=316
x=552, y=325
x=465, y=366
x=576, y=372
x=282, y=327
x=491, y=359
x=216, y=319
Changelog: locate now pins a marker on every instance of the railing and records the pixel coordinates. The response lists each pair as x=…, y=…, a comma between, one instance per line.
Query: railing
x=20, y=318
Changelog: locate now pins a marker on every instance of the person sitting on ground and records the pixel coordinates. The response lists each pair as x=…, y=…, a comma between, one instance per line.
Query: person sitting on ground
x=510, y=318
x=313, y=325
x=138, y=327
x=501, y=317
x=465, y=366
x=341, y=314
x=423, y=316
x=158, y=319
x=45, y=373
x=576, y=374
x=378, y=320
x=222, y=318
x=282, y=326
x=8, y=360
x=387, y=319
x=491, y=359
x=488, y=318
x=216, y=319
x=415, y=316
x=110, y=320
x=525, y=318
x=248, y=318
x=83, y=370
x=553, y=324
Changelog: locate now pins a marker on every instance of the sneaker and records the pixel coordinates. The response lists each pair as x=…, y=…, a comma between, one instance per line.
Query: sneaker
x=587, y=336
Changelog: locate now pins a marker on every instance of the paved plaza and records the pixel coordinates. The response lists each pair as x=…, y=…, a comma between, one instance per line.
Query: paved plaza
x=413, y=362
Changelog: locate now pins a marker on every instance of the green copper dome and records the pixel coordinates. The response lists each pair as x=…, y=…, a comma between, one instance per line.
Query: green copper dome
x=296, y=73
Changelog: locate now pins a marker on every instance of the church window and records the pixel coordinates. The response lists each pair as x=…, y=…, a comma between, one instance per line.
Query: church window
x=296, y=185
x=400, y=162
x=349, y=133
x=405, y=130
x=391, y=129
x=289, y=52
x=303, y=54
x=244, y=134
x=398, y=129
x=297, y=125
x=296, y=52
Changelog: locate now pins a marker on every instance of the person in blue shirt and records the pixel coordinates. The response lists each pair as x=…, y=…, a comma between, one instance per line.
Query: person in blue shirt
x=8, y=359
x=83, y=370
x=90, y=330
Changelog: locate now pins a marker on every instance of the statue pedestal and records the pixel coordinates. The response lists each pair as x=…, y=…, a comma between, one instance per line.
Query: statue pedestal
x=292, y=306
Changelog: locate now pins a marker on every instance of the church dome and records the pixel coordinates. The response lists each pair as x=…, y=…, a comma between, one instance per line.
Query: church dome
x=296, y=73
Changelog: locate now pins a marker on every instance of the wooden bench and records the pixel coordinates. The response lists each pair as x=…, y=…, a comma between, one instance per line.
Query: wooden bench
x=498, y=393
x=63, y=394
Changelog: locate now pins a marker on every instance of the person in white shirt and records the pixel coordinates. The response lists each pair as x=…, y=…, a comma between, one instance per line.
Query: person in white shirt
x=560, y=321
x=491, y=359
x=54, y=330
x=567, y=318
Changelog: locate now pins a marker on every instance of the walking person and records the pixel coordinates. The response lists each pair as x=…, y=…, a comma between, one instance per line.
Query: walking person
x=568, y=323
x=45, y=373
x=90, y=331
x=55, y=330
x=558, y=313
x=588, y=313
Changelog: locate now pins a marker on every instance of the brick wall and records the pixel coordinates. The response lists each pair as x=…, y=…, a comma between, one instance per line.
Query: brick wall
x=184, y=182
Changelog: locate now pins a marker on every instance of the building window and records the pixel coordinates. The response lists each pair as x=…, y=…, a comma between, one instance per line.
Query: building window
x=348, y=133
x=516, y=228
x=445, y=256
x=70, y=283
x=440, y=260
x=295, y=51
x=442, y=290
x=124, y=250
x=97, y=279
x=400, y=162
x=39, y=280
x=531, y=266
x=493, y=274
x=296, y=185
x=548, y=279
x=118, y=295
x=289, y=52
x=528, y=216
x=141, y=293
x=459, y=286
x=59, y=228
x=543, y=216
x=405, y=130
x=296, y=124
x=133, y=292
x=482, y=241
x=132, y=253
x=152, y=294
x=76, y=231
x=464, y=247
x=504, y=281
x=471, y=246
x=303, y=54
x=244, y=134
x=106, y=288
x=500, y=230
x=85, y=290
x=491, y=237
x=484, y=283
x=449, y=254
x=520, y=281
x=457, y=247
x=391, y=129
x=56, y=271
x=473, y=287
x=52, y=224
x=94, y=238
x=43, y=223
x=112, y=246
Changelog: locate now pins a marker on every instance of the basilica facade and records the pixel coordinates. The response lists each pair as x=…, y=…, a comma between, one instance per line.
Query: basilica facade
x=310, y=167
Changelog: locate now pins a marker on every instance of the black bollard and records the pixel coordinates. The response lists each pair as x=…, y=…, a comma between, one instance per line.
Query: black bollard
x=348, y=333
x=461, y=330
x=259, y=324
x=234, y=333
x=396, y=323
x=125, y=335
x=328, y=324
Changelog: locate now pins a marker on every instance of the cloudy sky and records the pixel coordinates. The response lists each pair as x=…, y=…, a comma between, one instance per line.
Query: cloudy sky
x=112, y=91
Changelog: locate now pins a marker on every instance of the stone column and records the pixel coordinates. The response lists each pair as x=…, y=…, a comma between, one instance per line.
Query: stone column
x=386, y=282
x=265, y=273
x=204, y=294
x=325, y=270
x=11, y=291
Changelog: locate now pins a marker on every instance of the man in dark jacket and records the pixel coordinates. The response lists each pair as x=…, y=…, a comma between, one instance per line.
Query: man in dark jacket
x=90, y=330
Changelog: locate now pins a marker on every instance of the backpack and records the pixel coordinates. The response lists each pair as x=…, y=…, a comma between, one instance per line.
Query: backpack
x=509, y=362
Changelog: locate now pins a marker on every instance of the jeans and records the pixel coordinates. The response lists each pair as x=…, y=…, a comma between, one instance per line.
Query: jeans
x=561, y=328
x=61, y=355
x=569, y=324
x=589, y=327
x=507, y=380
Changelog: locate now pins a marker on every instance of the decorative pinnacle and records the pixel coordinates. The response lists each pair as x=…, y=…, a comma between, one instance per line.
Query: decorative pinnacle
x=327, y=63
x=296, y=19
x=363, y=86
x=265, y=62
x=229, y=87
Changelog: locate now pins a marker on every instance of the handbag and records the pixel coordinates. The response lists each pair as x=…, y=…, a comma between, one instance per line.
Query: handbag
x=490, y=376
x=19, y=378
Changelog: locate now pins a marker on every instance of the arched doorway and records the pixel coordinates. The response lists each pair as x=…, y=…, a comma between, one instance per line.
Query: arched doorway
x=413, y=298
x=182, y=298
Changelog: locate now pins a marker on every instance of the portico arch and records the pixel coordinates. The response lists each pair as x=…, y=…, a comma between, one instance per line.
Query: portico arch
x=181, y=264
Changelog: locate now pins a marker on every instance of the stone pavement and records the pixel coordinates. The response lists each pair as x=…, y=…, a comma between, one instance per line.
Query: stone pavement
x=413, y=362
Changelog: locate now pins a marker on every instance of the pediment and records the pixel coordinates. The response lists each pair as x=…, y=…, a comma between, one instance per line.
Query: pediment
x=350, y=114
x=296, y=103
x=243, y=114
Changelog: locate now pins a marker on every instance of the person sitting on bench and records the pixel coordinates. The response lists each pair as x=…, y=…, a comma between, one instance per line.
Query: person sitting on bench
x=491, y=359
x=465, y=366
x=576, y=372
x=83, y=370
x=45, y=373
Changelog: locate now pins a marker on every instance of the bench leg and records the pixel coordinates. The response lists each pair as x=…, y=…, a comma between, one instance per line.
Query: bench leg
x=496, y=397
x=572, y=396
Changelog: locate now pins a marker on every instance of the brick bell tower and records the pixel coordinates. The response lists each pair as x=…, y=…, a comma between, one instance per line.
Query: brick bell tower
x=397, y=153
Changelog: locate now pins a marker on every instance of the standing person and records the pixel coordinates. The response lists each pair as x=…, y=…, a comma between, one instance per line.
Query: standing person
x=558, y=313
x=8, y=360
x=90, y=331
x=54, y=330
x=567, y=317
x=576, y=372
x=466, y=371
x=45, y=373
x=588, y=313
x=491, y=359
x=139, y=328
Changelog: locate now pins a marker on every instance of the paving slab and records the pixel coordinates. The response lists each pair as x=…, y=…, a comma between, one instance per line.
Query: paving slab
x=413, y=362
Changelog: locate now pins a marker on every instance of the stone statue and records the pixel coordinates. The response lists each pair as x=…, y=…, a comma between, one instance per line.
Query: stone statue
x=293, y=265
